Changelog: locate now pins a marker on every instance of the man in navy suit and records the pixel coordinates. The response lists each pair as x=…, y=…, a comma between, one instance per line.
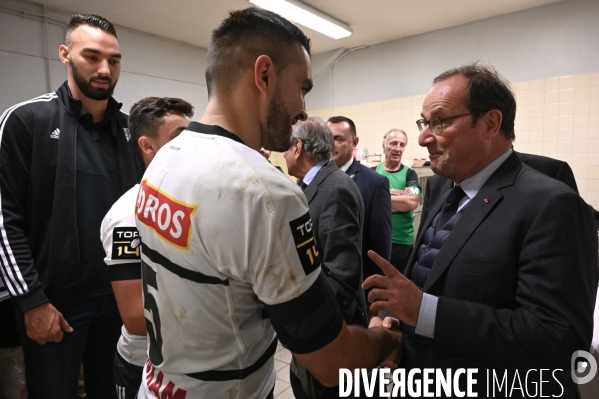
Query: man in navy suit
x=503, y=275
x=374, y=188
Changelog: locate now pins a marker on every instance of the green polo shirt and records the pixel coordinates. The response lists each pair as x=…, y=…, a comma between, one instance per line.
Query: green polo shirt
x=402, y=222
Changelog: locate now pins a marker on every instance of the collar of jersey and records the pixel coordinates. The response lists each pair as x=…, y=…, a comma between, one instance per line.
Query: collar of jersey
x=213, y=129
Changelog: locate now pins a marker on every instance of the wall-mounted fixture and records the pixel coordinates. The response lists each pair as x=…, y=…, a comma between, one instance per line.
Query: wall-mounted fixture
x=307, y=16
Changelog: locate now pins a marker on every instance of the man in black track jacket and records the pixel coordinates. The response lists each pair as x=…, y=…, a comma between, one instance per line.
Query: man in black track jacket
x=64, y=160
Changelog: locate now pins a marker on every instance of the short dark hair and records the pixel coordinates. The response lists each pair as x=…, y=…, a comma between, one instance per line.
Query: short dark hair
x=247, y=34
x=91, y=20
x=341, y=119
x=146, y=114
x=487, y=90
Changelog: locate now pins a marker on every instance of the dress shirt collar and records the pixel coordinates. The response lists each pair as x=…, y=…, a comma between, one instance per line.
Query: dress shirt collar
x=473, y=184
x=310, y=175
x=345, y=167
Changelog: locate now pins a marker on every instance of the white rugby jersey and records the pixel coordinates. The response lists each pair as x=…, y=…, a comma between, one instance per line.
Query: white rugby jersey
x=224, y=233
x=122, y=247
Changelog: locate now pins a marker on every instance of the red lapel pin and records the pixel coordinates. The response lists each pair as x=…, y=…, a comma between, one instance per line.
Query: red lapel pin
x=486, y=201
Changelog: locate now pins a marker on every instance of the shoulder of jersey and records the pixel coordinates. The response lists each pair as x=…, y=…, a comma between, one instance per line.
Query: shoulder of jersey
x=122, y=211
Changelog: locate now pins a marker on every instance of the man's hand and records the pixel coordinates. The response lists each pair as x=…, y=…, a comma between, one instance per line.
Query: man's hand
x=393, y=292
x=390, y=323
x=45, y=324
x=405, y=191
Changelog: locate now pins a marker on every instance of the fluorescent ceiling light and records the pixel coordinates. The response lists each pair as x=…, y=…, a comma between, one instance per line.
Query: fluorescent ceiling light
x=307, y=16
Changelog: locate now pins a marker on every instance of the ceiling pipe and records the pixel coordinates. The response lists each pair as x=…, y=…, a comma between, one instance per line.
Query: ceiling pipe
x=39, y=18
x=48, y=57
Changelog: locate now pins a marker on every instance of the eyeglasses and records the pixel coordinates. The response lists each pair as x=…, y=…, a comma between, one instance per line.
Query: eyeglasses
x=436, y=124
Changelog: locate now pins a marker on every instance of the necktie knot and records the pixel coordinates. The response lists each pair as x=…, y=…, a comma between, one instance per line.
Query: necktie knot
x=456, y=194
x=450, y=207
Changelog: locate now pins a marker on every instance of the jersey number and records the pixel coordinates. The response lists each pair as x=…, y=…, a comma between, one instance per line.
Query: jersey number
x=151, y=313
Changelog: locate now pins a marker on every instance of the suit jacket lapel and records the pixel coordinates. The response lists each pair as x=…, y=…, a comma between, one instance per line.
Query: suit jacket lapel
x=354, y=170
x=312, y=189
x=427, y=223
x=479, y=207
x=443, y=190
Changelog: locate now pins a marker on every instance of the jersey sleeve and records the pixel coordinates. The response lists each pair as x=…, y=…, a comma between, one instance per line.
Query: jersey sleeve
x=412, y=182
x=121, y=241
x=297, y=296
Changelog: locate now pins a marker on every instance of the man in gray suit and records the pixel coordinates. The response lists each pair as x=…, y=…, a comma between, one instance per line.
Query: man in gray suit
x=337, y=213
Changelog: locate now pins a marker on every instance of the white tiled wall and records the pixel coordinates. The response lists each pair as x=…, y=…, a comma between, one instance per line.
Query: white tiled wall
x=556, y=117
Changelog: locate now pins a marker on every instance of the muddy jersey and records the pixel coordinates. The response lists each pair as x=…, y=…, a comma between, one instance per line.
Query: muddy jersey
x=228, y=257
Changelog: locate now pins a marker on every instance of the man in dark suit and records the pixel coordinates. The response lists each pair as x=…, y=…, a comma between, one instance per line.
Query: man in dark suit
x=504, y=272
x=337, y=212
x=374, y=189
x=559, y=170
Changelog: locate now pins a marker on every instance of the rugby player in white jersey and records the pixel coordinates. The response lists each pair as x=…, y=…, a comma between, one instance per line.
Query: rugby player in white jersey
x=153, y=122
x=229, y=262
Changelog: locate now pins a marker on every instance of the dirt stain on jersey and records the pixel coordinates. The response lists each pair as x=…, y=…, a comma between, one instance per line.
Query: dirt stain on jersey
x=182, y=313
x=271, y=274
x=232, y=393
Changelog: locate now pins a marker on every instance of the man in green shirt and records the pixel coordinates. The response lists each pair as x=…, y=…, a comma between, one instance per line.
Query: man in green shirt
x=405, y=196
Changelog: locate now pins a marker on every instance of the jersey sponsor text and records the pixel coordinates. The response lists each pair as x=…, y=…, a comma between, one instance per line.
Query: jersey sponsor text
x=168, y=217
x=161, y=387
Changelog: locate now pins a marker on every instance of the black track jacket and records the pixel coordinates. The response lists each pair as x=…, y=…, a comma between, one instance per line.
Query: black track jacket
x=39, y=245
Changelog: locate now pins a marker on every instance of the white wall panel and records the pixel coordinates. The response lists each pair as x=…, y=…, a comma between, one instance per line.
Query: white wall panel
x=22, y=77
x=133, y=87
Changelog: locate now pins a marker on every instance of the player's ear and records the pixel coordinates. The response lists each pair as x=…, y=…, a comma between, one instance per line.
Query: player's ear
x=146, y=145
x=264, y=73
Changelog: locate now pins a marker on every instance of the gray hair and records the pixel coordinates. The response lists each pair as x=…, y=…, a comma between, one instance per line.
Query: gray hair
x=393, y=130
x=316, y=136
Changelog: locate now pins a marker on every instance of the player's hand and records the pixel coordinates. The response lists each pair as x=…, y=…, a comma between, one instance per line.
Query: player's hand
x=45, y=324
x=393, y=292
x=394, y=348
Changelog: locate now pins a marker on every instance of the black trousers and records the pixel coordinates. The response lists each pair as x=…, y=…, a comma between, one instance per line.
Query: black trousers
x=52, y=370
x=127, y=377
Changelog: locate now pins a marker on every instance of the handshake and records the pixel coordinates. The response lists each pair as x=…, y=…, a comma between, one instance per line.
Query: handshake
x=390, y=323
